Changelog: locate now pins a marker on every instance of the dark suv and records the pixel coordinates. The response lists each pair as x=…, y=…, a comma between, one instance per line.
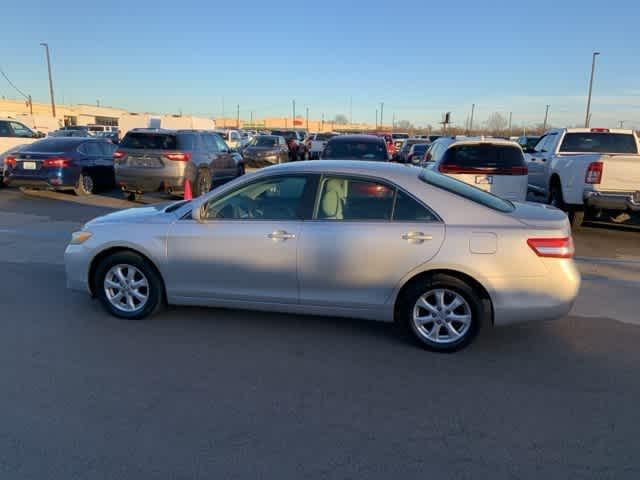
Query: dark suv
x=149, y=160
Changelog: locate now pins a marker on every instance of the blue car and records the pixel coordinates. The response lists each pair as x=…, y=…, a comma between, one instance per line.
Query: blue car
x=63, y=163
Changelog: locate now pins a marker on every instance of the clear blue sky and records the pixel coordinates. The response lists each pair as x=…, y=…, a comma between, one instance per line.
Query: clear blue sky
x=420, y=58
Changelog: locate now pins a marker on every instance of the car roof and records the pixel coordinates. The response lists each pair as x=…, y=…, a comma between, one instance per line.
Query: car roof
x=356, y=138
x=450, y=141
x=360, y=167
x=626, y=131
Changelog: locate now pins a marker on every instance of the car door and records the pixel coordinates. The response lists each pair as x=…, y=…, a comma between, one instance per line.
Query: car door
x=245, y=248
x=227, y=164
x=365, y=236
x=538, y=161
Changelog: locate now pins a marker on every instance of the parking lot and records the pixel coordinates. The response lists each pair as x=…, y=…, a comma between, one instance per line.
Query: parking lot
x=213, y=393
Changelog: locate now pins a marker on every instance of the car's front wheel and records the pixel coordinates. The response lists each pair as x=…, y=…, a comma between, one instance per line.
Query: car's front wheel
x=442, y=313
x=128, y=286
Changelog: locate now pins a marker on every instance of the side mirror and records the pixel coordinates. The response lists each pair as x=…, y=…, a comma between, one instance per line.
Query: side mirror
x=197, y=213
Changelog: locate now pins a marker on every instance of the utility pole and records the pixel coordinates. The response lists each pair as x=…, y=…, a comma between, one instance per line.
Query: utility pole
x=376, y=118
x=350, y=110
x=307, y=116
x=381, y=113
x=473, y=111
x=587, y=118
x=53, y=102
x=294, y=114
x=30, y=102
x=322, y=124
x=546, y=118
x=238, y=116
x=510, y=118
x=393, y=121
x=224, y=122
x=622, y=123
x=252, y=118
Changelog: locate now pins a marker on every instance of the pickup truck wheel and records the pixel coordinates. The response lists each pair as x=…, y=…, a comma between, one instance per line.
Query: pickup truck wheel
x=576, y=217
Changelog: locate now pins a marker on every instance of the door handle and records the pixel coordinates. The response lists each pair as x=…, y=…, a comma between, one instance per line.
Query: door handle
x=417, y=236
x=281, y=235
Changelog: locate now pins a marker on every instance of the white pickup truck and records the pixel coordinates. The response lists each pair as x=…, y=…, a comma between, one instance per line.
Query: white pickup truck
x=584, y=171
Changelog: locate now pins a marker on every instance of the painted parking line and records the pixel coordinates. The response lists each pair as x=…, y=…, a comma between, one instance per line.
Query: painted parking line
x=92, y=200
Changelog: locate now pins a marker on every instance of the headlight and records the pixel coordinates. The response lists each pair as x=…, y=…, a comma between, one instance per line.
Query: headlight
x=80, y=237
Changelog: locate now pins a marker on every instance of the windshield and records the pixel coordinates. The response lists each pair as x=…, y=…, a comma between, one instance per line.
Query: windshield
x=399, y=136
x=355, y=150
x=263, y=142
x=467, y=191
x=591, y=142
x=149, y=141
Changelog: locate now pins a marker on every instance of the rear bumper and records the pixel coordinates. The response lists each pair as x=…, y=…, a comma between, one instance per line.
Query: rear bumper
x=154, y=179
x=550, y=297
x=52, y=182
x=613, y=200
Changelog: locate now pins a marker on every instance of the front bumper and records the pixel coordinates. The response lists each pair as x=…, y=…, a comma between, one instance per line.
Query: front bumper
x=76, y=263
x=613, y=200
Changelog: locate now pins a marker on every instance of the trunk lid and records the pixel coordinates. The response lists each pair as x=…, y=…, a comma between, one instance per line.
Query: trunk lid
x=542, y=216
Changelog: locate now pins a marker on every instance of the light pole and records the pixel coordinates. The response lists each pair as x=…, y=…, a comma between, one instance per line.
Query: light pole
x=546, y=118
x=381, y=113
x=294, y=115
x=376, y=118
x=53, y=102
x=473, y=111
x=307, y=118
x=587, y=117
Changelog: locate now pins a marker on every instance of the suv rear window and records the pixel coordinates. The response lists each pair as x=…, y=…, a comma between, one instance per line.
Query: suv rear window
x=355, y=150
x=487, y=156
x=320, y=137
x=590, y=142
x=467, y=191
x=149, y=141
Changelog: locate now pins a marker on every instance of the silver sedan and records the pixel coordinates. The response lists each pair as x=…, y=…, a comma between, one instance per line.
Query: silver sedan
x=369, y=240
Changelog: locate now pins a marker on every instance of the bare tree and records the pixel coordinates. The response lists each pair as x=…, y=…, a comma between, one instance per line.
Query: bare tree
x=496, y=123
x=404, y=125
x=341, y=119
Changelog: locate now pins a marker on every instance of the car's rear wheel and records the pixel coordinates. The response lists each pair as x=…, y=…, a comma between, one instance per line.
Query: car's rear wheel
x=203, y=183
x=85, y=185
x=128, y=286
x=442, y=313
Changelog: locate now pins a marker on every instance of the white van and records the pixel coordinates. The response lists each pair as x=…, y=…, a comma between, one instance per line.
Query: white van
x=493, y=165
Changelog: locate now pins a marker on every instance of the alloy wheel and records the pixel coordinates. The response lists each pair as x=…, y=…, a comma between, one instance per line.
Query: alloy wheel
x=126, y=288
x=442, y=316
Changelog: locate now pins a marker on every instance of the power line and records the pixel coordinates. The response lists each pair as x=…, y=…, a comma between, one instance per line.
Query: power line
x=13, y=85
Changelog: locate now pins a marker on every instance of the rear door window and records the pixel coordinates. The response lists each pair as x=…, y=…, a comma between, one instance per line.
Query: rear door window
x=408, y=209
x=5, y=129
x=188, y=142
x=150, y=141
x=354, y=199
x=19, y=130
x=91, y=148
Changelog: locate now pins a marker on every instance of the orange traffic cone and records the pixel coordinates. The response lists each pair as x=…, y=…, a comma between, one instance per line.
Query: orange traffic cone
x=187, y=190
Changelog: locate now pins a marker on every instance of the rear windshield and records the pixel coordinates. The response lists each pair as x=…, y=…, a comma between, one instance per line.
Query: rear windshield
x=324, y=136
x=589, y=142
x=484, y=156
x=149, y=141
x=355, y=150
x=467, y=191
x=421, y=148
x=400, y=136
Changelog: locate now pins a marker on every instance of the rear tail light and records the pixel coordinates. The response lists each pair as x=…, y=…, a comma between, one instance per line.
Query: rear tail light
x=552, y=247
x=10, y=161
x=594, y=173
x=178, y=157
x=519, y=170
x=117, y=155
x=56, y=162
x=599, y=130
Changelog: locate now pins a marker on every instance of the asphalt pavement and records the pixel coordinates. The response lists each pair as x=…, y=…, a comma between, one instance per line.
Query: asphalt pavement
x=213, y=393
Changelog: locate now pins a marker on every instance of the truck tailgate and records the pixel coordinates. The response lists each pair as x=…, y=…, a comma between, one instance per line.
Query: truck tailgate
x=620, y=173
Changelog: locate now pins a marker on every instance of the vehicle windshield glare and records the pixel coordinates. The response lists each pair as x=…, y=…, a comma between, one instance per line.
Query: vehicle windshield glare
x=465, y=190
x=592, y=142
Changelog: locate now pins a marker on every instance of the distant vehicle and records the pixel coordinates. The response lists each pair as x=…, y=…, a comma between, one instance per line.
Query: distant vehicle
x=150, y=160
x=13, y=134
x=371, y=240
x=265, y=150
x=70, y=133
x=295, y=142
x=398, y=139
x=528, y=142
x=233, y=138
x=316, y=143
x=356, y=147
x=417, y=153
x=584, y=171
x=493, y=165
x=78, y=164
x=433, y=138
x=402, y=155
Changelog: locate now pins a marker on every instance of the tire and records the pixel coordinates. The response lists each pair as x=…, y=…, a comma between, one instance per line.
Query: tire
x=85, y=185
x=152, y=288
x=576, y=215
x=433, y=328
x=202, y=183
x=241, y=169
x=131, y=196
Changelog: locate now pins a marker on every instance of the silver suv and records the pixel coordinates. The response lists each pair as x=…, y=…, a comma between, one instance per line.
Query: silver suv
x=150, y=160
